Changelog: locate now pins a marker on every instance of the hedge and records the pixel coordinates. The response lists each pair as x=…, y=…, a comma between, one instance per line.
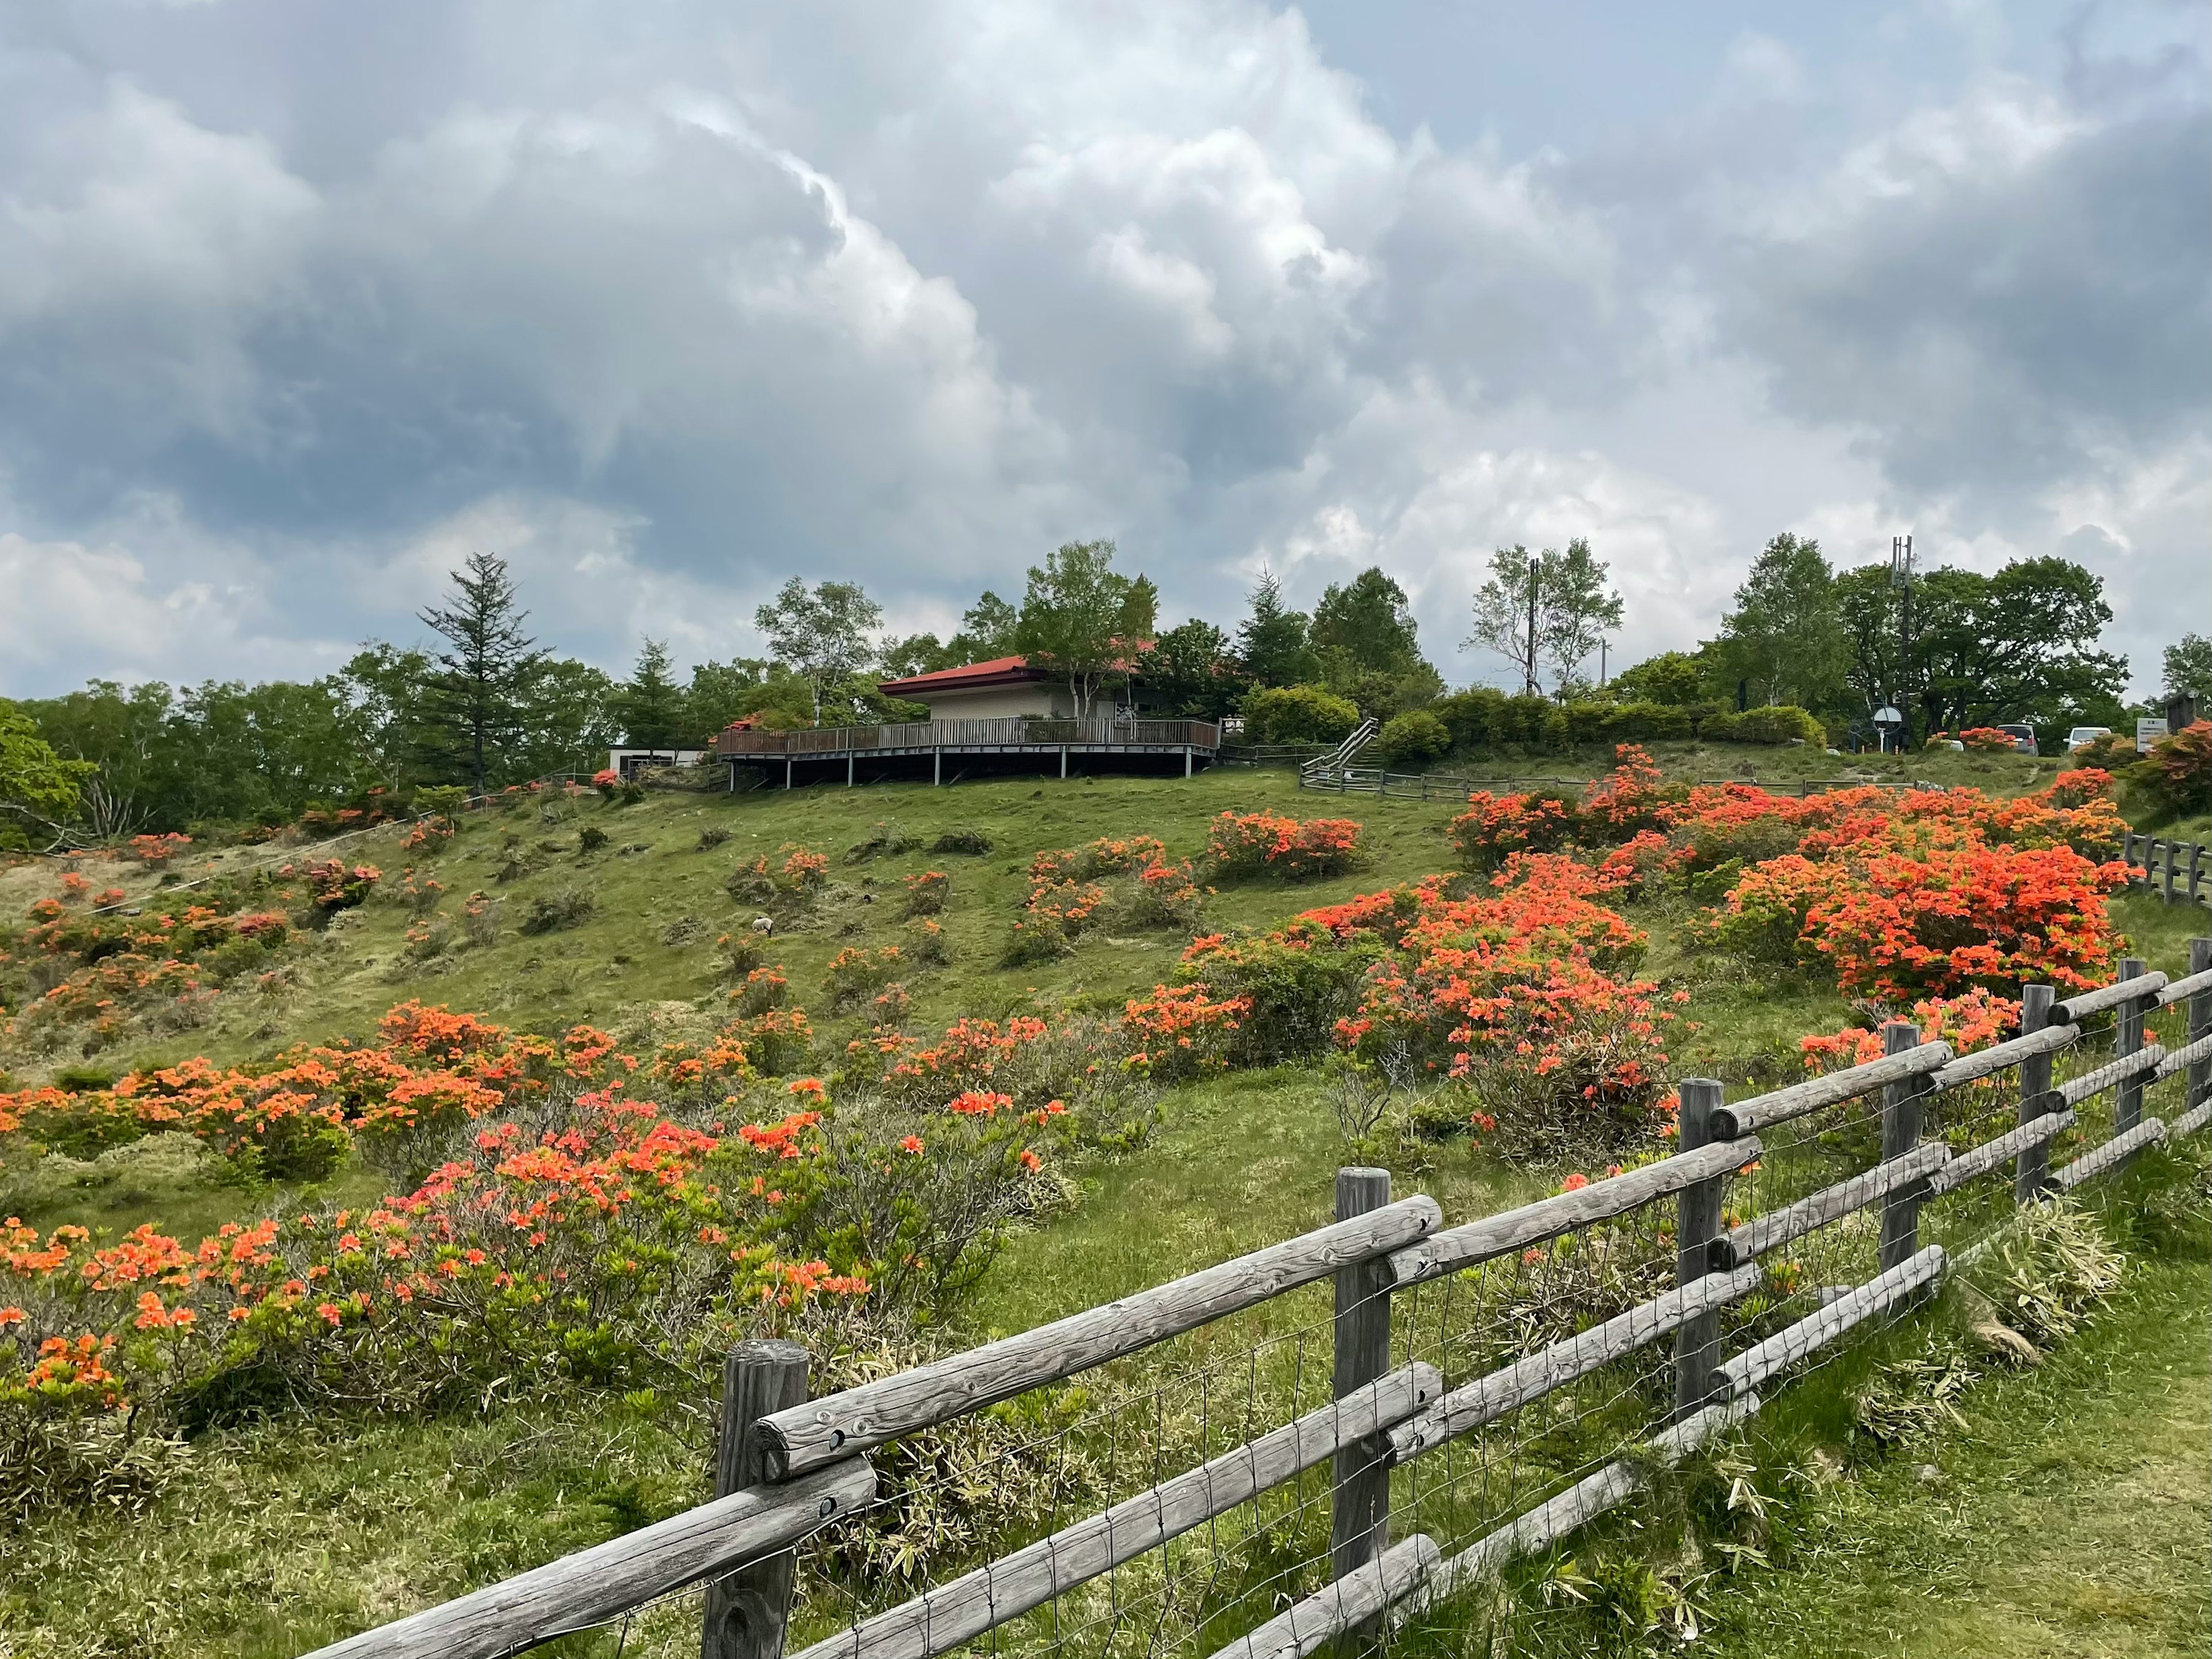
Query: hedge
x=1484, y=718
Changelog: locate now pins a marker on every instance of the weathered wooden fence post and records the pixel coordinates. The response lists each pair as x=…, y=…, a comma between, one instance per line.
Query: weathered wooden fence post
x=2031, y=1169
x=1359, y=1506
x=746, y=1610
x=1697, y=1224
x=2128, y=1039
x=1900, y=1133
x=2200, y=1021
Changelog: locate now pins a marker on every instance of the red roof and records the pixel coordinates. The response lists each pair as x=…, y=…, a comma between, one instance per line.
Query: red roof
x=1000, y=670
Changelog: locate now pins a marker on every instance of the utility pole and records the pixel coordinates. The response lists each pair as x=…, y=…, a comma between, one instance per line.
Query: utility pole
x=1900, y=577
x=1532, y=625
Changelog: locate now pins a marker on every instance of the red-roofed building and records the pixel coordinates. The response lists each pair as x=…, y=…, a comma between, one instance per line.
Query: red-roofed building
x=1008, y=687
x=1003, y=688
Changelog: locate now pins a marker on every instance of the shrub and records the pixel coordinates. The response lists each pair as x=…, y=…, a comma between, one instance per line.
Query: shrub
x=1241, y=844
x=765, y=988
x=1296, y=982
x=550, y=912
x=855, y=974
x=1298, y=714
x=925, y=942
x=1416, y=738
x=2181, y=769
x=927, y=893
x=1495, y=826
x=971, y=843
x=333, y=887
x=1782, y=724
x=886, y=840
x=1471, y=716
x=1986, y=740
x=591, y=838
x=711, y=838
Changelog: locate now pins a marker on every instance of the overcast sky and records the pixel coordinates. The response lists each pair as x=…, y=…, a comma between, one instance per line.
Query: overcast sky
x=301, y=302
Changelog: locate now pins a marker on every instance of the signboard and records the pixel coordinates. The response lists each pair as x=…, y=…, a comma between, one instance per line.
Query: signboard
x=2147, y=733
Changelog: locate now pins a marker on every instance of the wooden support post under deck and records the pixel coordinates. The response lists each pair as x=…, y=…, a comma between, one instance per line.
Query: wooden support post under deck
x=1697, y=1224
x=1359, y=1507
x=1900, y=1133
x=747, y=1610
x=2030, y=1169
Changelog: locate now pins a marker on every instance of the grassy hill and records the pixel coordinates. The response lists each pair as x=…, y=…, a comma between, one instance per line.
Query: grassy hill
x=275, y=1534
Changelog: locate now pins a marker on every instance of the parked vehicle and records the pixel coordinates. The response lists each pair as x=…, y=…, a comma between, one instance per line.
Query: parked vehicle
x=2082, y=736
x=2023, y=737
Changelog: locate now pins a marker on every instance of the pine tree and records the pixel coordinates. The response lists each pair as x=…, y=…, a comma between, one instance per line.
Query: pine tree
x=651, y=705
x=1273, y=640
x=477, y=695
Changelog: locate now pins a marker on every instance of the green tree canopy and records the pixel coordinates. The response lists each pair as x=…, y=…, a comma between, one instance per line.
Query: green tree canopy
x=1274, y=640
x=2019, y=645
x=1552, y=608
x=477, y=694
x=1071, y=619
x=1785, y=635
x=1193, y=667
x=650, y=706
x=38, y=789
x=1368, y=623
x=1675, y=678
x=823, y=634
x=2189, y=666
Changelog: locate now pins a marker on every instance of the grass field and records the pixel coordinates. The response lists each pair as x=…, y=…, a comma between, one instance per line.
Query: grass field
x=280, y=1536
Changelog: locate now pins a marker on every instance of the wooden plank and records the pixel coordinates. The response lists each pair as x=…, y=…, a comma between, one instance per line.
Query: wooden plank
x=2180, y=990
x=1877, y=1296
x=2128, y=1044
x=1993, y=1154
x=2116, y=1151
x=992, y=1596
x=2110, y=996
x=1490, y=1397
x=1305, y=1627
x=1793, y=1221
x=2112, y=1071
x=597, y=1584
x=2176, y=1060
x=1732, y=1122
x=1474, y=1242
x=1582, y=1503
x=838, y=1424
x=1982, y=1063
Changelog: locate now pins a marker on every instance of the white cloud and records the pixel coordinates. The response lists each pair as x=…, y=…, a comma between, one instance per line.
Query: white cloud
x=664, y=311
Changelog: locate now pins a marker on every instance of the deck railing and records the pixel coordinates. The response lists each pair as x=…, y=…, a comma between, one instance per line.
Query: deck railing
x=1013, y=732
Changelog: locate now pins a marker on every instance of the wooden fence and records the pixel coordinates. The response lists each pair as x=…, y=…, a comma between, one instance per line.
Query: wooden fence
x=2172, y=869
x=1013, y=732
x=1492, y=1383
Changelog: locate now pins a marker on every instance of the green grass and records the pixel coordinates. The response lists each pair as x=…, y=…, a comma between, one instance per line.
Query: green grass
x=2070, y=1515
x=277, y=1537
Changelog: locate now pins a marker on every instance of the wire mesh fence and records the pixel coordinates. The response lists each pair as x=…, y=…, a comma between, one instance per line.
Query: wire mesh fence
x=1198, y=1489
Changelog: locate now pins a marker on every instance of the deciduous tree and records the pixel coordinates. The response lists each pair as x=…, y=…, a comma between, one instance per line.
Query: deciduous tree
x=1072, y=616
x=823, y=634
x=1785, y=635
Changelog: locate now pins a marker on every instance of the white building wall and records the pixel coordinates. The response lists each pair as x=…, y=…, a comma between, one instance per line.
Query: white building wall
x=993, y=702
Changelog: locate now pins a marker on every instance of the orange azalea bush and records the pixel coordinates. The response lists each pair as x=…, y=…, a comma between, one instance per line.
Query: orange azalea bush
x=558, y=1223
x=1268, y=843
x=1494, y=827
x=1068, y=895
x=1986, y=740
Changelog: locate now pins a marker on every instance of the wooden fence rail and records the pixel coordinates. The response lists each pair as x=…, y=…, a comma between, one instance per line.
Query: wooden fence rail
x=799, y=1466
x=2172, y=869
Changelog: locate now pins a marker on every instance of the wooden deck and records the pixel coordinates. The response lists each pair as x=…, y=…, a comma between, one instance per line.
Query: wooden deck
x=944, y=752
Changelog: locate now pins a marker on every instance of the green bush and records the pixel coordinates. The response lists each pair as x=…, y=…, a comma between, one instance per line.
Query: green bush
x=1767, y=726
x=1416, y=738
x=1471, y=716
x=1298, y=714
